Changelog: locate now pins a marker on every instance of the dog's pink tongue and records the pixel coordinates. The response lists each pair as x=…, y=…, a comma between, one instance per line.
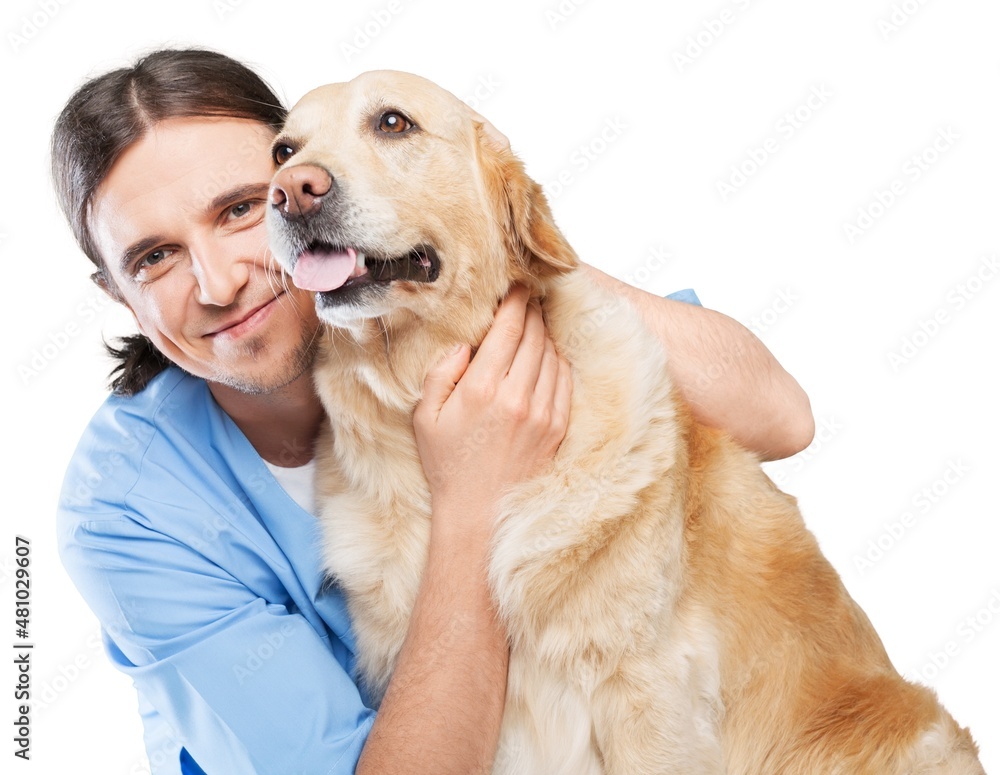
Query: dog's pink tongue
x=324, y=270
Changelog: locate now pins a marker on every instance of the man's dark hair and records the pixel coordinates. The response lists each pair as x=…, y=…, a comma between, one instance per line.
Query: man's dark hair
x=107, y=115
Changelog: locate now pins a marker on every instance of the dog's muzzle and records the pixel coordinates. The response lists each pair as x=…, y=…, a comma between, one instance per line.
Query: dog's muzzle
x=309, y=239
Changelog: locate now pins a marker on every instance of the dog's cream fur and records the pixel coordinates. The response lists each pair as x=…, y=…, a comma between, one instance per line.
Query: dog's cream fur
x=667, y=608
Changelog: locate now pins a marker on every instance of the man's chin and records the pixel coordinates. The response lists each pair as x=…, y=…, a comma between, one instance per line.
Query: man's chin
x=252, y=377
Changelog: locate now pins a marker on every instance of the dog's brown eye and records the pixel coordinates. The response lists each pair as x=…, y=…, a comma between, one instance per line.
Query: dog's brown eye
x=282, y=153
x=394, y=123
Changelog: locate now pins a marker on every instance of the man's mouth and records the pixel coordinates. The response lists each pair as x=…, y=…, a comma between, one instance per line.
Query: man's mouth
x=245, y=321
x=329, y=269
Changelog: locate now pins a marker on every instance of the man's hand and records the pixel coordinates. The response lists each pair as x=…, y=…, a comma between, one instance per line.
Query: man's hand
x=480, y=427
x=497, y=420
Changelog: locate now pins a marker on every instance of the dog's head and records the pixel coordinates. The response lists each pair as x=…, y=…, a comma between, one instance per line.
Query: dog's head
x=395, y=200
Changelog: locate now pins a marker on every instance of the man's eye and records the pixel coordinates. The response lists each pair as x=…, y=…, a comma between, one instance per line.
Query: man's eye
x=148, y=266
x=238, y=211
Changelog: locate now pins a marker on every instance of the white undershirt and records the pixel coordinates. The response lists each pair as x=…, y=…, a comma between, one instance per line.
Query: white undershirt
x=298, y=482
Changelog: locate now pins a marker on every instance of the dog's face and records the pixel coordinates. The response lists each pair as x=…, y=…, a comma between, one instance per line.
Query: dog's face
x=395, y=200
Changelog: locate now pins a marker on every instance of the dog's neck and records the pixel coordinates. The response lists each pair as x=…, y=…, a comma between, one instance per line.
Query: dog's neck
x=391, y=360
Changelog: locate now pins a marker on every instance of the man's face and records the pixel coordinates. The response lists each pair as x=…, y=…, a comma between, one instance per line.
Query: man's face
x=179, y=222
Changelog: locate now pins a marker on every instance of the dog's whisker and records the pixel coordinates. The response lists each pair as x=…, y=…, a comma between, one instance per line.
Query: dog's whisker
x=384, y=326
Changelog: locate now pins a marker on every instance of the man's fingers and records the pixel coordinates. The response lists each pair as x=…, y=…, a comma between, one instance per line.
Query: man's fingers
x=548, y=373
x=496, y=353
x=440, y=382
x=527, y=363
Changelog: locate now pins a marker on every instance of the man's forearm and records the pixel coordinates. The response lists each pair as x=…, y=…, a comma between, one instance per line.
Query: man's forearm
x=442, y=711
x=725, y=373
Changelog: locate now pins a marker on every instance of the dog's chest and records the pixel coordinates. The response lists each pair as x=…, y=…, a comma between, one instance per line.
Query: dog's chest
x=374, y=509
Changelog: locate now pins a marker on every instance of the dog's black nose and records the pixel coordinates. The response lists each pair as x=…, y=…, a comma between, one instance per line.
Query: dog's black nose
x=297, y=192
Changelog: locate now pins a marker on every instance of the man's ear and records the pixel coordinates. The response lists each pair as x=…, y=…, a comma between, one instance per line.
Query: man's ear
x=102, y=280
x=535, y=240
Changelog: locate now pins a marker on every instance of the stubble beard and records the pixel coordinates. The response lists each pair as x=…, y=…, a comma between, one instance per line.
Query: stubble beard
x=294, y=365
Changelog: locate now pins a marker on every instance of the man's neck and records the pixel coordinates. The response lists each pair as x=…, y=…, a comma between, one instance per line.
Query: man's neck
x=282, y=424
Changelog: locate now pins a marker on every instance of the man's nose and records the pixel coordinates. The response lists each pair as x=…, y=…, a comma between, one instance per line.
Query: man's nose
x=220, y=276
x=297, y=192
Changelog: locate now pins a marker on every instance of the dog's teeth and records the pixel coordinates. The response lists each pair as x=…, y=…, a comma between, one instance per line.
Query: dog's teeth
x=361, y=261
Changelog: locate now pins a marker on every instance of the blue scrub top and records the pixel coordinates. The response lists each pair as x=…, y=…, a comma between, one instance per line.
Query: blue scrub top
x=206, y=578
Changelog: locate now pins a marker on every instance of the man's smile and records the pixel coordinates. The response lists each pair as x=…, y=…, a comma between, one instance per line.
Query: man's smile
x=245, y=322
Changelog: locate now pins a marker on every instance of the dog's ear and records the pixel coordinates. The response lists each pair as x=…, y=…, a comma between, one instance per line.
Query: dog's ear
x=486, y=132
x=537, y=246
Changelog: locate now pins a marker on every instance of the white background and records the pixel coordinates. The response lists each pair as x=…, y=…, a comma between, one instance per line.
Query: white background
x=773, y=254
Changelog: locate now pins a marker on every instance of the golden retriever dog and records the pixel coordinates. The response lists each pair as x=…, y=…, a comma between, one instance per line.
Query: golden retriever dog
x=668, y=611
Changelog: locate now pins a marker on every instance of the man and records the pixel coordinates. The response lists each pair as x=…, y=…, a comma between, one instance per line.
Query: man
x=203, y=570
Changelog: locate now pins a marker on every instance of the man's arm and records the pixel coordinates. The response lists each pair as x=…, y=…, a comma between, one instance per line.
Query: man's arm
x=725, y=373
x=442, y=710
x=480, y=427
